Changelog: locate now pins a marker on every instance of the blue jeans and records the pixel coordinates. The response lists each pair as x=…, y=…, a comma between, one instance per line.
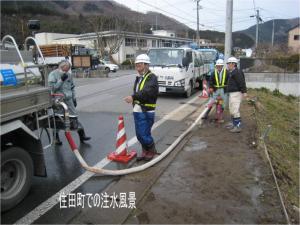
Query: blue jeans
x=143, y=123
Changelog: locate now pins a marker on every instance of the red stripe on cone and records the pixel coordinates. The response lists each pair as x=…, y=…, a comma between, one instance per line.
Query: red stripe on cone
x=121, y=141
x=204, y=89
x=121, y=125
x=123, y=156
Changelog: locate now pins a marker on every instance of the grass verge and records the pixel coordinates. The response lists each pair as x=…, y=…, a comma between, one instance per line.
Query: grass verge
x=282, y=113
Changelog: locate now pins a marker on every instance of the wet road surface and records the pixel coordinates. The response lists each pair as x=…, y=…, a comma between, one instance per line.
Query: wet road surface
x=100, y=102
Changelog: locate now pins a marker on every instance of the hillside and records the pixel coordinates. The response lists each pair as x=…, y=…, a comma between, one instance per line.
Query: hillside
x=265, y=30
x=73, y=16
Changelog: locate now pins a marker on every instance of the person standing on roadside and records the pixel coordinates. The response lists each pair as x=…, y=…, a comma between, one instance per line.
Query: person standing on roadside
x=143, y=99
x=218, y=84
x=237, y=90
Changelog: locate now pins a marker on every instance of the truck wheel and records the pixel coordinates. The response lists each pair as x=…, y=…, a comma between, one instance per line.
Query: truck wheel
x=200, y=81
x=189, y=91
x=16, y=176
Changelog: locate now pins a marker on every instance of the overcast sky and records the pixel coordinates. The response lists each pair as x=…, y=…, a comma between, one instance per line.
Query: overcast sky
x=212, y=14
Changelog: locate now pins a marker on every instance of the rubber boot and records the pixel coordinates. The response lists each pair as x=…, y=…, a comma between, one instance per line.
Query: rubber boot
x=57, y=140
x=150, y=153
x=237, y=125
x=82, y=135
x=142, y=157
x=206, y=114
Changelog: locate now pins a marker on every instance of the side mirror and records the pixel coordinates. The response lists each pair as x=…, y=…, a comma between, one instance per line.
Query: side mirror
x=185, y=62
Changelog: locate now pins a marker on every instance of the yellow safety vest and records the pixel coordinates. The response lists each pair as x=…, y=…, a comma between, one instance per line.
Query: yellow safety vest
x=141, y=86
x=217, y=79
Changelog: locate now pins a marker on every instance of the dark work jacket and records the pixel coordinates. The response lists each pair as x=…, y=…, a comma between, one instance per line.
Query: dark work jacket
x=149, y=93
x=213, y=82
x=236, y=82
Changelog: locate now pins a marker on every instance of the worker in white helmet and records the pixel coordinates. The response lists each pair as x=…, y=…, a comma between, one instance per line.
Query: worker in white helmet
x=145, y=92
x=236, y=89
x=218, y=83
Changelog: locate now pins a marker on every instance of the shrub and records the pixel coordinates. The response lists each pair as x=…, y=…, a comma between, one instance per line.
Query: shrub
x=127, y=62
x=277, y=93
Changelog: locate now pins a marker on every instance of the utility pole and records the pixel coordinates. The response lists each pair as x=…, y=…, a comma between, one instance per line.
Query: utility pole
x=258, y=19
x=257, y=23
x=228, y=31
x=273, y=34
x=198, y=35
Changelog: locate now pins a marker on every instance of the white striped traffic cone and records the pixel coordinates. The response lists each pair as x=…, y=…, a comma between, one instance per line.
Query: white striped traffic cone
x=121, y=154
x=204, y=89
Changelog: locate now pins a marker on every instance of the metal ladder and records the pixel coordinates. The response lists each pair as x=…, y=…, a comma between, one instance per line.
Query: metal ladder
x=50, y=112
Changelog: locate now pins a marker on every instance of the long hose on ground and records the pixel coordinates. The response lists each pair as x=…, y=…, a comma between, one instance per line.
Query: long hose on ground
x=133, y=169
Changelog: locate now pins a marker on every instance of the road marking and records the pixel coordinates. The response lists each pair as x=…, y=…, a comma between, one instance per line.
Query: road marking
x=121, y=77
x=44, y=207
x=114, y=79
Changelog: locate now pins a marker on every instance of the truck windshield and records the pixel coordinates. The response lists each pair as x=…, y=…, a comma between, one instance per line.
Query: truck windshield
x=166, y=57
x=209, y=56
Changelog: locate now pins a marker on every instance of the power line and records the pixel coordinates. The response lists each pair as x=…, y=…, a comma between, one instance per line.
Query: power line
x=254, y=8
x=216, y=23
x=155, y=7
x=198, y=33
x=189, y=14
x=275, y=12
x=181, y=1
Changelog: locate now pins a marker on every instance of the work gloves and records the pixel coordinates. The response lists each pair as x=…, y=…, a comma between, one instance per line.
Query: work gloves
x=75, y=102
x=64, y=77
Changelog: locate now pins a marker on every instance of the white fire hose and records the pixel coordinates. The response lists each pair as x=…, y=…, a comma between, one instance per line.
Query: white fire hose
x=133, y=169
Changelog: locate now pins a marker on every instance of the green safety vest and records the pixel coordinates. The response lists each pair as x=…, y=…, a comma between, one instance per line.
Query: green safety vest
x=141, y=86
x=217, y=79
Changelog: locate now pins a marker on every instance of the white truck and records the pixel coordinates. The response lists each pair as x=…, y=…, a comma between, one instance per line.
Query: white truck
x=179, y=70
x=26, y=111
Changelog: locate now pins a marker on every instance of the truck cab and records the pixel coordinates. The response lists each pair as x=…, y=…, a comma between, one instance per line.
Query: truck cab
x=210, y=56
x=179, y=70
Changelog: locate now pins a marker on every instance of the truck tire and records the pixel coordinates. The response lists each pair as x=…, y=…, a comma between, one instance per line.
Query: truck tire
x=189, y=91
x=200, y=81
x=16, y=176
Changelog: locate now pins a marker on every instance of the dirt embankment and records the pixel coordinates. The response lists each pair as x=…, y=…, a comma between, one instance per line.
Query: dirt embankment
x=218, y=178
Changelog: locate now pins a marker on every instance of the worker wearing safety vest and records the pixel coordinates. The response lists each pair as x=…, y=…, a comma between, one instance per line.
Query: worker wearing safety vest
x=218, y=82
x=145, y=92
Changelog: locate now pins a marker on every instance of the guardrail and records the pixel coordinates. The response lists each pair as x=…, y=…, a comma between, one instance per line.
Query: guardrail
x=88, y=73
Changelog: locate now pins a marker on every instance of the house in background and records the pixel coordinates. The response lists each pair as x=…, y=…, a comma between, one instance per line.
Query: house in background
x=131, y=45
x=294, y=38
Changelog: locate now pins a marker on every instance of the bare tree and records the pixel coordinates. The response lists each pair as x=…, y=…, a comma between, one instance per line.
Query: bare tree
x=108, y=43
x=114, y=42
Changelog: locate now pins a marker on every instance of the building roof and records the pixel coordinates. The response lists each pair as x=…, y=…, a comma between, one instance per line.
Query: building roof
x=127, y=34
x=298, y=25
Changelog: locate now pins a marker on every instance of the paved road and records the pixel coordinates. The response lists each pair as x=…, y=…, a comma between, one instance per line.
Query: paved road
x=100, y=102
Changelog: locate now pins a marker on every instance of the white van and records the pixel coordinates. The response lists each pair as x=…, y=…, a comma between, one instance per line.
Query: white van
x=179, y=70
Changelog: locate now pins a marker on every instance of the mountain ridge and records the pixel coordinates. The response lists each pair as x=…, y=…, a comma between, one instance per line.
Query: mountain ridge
x=72, y=16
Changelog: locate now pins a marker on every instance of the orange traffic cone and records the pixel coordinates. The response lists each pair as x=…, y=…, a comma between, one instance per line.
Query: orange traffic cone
x=204, y=90
x=121, y=154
